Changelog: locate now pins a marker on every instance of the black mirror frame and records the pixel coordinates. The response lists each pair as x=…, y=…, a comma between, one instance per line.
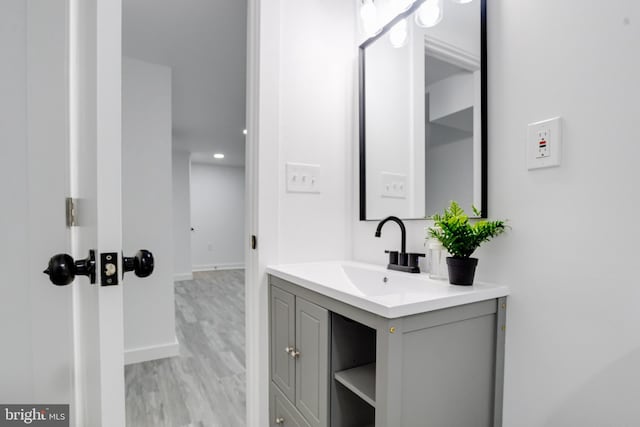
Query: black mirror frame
x=483, y=106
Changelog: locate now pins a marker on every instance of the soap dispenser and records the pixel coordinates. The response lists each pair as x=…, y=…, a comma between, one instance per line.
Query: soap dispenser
x=438, y=260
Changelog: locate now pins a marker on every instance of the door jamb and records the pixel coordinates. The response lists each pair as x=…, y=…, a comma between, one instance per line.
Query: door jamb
x=263, y=181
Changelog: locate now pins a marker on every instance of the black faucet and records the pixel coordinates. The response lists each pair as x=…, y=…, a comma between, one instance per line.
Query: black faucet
x=400, y=261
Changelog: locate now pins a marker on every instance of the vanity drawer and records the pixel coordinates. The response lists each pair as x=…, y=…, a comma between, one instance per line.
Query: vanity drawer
x=283, y=413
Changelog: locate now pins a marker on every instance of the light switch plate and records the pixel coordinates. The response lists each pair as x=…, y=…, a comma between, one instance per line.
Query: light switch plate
x=303, y=178
x=394, y=185
x=544, y=143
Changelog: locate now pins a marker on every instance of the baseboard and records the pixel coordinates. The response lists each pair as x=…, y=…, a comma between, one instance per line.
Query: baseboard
x=182, y=276
x=223, y=266
x=144, y=354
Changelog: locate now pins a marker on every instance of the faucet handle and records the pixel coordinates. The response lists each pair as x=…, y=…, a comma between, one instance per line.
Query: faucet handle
x=393, y=257
x=413, y=259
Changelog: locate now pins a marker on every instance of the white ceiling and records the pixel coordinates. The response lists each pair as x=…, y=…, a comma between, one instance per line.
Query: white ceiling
x=204, y=43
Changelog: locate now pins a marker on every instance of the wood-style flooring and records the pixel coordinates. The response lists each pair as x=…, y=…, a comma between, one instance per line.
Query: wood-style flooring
x=205, y=385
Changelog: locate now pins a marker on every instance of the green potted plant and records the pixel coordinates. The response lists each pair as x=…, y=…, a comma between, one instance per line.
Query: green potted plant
x=461, y=238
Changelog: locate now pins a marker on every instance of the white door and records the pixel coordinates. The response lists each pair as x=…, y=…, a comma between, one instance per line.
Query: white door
x=60, y=120
x=36, y=354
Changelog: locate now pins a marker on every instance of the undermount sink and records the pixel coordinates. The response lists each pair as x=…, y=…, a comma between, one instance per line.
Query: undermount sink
x=380, y=291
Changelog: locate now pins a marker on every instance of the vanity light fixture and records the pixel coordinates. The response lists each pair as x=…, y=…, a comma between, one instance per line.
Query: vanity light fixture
x=369, y=17
x=399, y=34
x=218, y=156
x=429, y=14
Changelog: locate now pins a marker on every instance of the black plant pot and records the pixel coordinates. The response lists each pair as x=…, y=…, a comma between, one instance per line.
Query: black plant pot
x=461, y=270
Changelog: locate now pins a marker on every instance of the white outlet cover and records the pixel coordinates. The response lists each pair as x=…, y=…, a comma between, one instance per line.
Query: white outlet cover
x=303, y=178
x=544, y=155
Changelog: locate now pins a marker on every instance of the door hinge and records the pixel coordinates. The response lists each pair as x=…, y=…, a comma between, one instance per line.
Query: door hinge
x=254, y=241
x=72, y=211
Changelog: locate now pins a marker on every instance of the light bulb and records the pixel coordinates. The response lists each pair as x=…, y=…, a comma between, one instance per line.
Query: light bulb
x=462, y=1
x=398, y=34
x=218, y=156
x=369, y=16
x=429, y=14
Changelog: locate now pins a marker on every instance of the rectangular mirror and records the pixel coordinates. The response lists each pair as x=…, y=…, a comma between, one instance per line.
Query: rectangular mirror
x=423, y=121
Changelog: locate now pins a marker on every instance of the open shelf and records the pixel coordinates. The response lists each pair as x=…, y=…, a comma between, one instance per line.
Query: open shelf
x=360, y=380
x=353, y=373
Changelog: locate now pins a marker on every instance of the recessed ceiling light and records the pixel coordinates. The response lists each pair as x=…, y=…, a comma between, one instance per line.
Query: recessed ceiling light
x=219, y=156
x=244, y=131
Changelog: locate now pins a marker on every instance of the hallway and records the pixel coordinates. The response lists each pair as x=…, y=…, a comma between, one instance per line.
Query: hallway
x=205, y=385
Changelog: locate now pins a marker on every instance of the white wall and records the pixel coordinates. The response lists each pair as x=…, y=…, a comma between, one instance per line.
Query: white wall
x=573, y=348
x=217, y=215
x=181, y=215
x=300, y=111
x=149, y=313
x=317, y=88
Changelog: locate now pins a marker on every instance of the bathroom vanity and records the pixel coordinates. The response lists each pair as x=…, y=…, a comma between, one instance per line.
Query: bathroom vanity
x=355, y=345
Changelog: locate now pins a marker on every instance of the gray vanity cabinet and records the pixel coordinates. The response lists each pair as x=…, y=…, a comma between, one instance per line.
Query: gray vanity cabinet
x=299, y=361
x=347, y=367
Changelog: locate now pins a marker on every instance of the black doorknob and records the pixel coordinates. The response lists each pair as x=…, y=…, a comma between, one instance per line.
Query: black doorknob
x=62, y=269
x=141, y=264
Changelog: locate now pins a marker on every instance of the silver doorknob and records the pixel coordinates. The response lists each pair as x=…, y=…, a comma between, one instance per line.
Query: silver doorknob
x=279, y=420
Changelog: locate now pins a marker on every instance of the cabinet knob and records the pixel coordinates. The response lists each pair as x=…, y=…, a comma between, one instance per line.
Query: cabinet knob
x=279, y=420
x=291, y=351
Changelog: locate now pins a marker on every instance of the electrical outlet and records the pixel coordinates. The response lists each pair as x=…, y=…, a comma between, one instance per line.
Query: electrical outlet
x=544, y=144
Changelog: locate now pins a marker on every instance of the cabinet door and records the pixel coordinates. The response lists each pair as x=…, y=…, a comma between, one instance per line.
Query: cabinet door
x=312, y=364
x=283, y=337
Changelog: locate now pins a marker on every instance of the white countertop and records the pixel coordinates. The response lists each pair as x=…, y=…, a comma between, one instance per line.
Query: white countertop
x=364, y=286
